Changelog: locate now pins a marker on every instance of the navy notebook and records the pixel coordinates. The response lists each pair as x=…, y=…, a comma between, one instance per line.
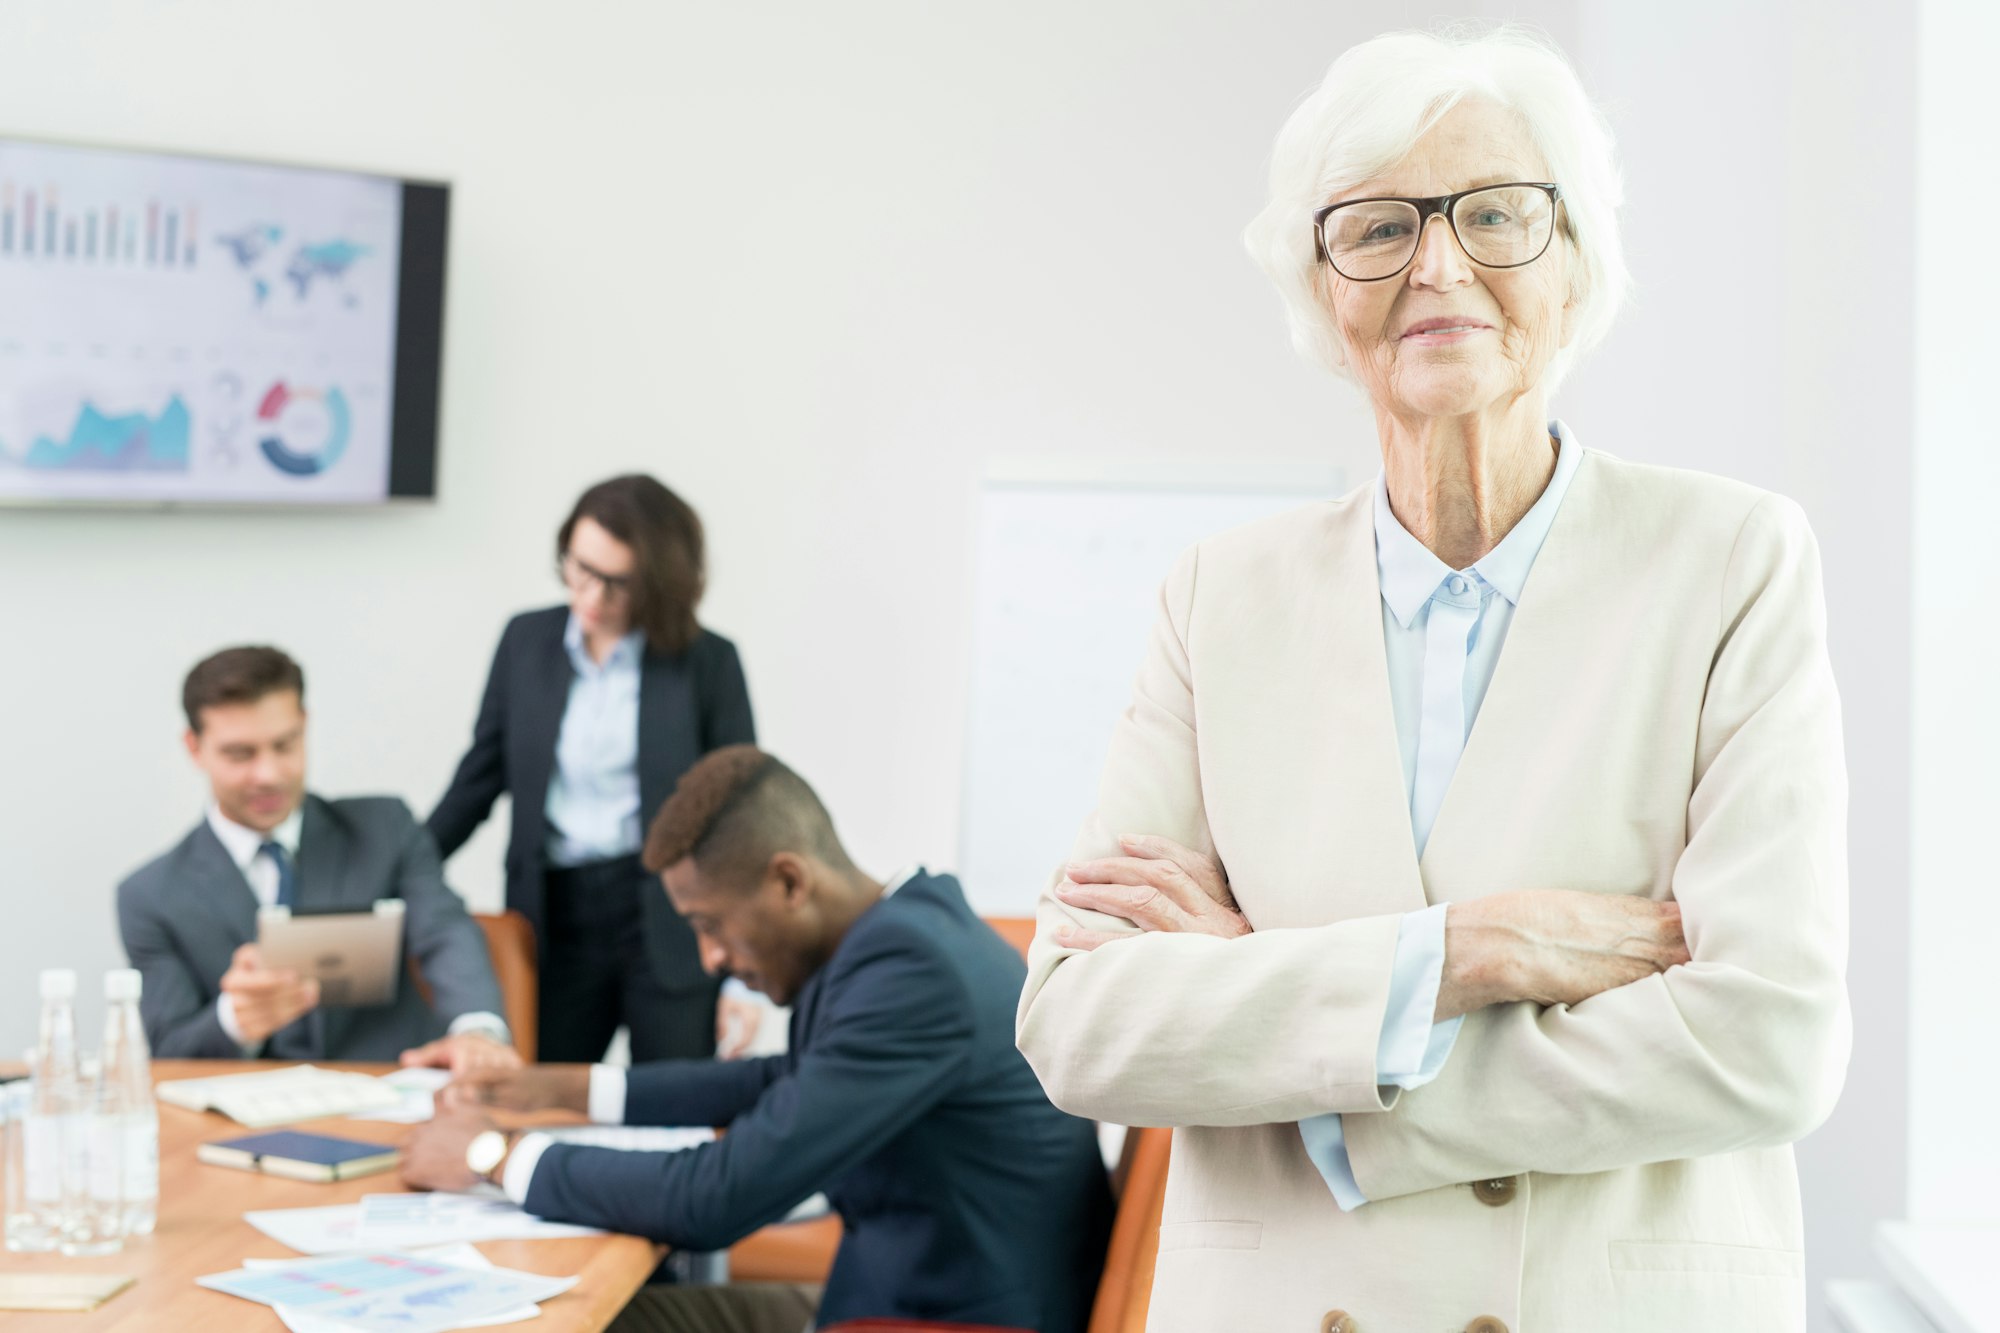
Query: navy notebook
x=301, y=1156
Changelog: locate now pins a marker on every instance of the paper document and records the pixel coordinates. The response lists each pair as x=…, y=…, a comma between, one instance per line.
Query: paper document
x=281, y=1096
x=415, y=1090
x=399, y=1221
x=59, y=1291
x=388, y=1292
x=464, y=1256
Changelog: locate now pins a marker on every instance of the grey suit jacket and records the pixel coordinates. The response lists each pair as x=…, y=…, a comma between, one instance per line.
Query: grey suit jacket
x=182, y=916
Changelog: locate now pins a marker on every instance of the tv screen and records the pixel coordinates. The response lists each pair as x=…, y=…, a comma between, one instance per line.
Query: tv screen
x=187, y=329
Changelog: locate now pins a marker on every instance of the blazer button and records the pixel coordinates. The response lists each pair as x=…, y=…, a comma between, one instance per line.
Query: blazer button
x=1338, y=1321
x=1494, y=1194
x=1486, y=1323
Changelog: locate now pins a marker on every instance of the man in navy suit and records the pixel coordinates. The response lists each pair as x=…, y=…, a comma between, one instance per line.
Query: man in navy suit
x=966, y=1195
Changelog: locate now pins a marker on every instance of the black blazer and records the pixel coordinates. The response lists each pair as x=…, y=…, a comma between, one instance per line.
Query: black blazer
x=688, y=705
x=183, y=914
x=966, y=1195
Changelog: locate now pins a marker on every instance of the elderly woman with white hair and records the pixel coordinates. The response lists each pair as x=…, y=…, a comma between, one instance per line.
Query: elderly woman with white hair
x=1467, y=887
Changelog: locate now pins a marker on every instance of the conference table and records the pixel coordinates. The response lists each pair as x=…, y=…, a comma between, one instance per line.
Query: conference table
x=201, y=1230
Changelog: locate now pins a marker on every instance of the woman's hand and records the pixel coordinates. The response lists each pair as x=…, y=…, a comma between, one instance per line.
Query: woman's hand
x=1553, y=946
x=1157, y=885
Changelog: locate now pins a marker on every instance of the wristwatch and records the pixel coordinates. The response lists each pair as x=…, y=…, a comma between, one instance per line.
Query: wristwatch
x=485, y=1153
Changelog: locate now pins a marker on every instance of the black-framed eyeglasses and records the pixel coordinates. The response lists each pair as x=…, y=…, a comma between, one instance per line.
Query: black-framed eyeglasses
x=576, y=576
x=1498, y=226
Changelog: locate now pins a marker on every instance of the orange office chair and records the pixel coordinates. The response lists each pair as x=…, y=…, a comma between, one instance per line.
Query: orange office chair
x=510, y=942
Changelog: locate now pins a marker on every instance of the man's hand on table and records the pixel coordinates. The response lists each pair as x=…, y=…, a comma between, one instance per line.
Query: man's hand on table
x=434, y=1158
x=529, y=1088
x=471, y=1054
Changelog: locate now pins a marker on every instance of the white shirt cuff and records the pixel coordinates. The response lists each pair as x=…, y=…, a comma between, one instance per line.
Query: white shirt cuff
x=521, y=1163
x=225, y=1014
x=1413, y=1049
x=491, y=1025
x=1326, y=1144
x=607, y=1095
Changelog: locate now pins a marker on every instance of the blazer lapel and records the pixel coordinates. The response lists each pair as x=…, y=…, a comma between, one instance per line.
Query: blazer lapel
x=548, y=699
x=1536, y=674
x=221, y=891
x=1300, y=725
x=665, y=700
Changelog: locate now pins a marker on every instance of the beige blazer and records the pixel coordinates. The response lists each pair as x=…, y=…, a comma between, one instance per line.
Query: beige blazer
x=1662, y=721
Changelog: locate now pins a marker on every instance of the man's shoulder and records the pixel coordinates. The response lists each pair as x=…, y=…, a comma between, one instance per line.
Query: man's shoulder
x=169, y=866
x=918, y=929
x=364, y=816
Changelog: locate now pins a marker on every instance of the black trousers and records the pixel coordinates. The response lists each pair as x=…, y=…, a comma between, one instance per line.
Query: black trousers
x=754, y=1307
x=597, y=973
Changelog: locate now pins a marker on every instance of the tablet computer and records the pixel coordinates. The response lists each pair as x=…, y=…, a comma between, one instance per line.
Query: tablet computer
x=355, y=956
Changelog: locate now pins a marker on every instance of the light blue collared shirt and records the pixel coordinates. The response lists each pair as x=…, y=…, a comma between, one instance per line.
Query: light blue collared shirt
x=593, y=801
x=1443, y=629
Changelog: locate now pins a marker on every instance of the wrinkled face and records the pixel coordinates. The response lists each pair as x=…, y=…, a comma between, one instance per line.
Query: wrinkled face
x=598, y=570
x=1447, y=337
x=255, y=757
x=764, y=936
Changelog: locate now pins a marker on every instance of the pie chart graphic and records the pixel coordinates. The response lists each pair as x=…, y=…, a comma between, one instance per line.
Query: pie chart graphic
x=302, y=432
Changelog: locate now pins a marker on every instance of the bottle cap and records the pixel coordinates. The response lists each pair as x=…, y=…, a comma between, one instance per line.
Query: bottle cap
x=58, y=983
x=121, y=983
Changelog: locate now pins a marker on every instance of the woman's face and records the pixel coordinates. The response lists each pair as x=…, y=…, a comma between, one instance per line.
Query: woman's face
x=598, y=571
x=1500, y=327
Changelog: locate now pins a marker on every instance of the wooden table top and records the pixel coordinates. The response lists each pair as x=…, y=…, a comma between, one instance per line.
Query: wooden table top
x=201, y=1230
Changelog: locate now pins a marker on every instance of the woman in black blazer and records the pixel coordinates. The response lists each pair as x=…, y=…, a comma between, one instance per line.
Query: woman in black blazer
x=592, y=712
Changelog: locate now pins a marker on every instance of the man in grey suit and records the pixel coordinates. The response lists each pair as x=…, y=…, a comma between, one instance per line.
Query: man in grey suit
x=189, y=918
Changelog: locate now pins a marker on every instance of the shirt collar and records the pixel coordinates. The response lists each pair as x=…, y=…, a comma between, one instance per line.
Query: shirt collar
x=242, y=843
x=900, y=878
x=626, y=649
x=1410, y=572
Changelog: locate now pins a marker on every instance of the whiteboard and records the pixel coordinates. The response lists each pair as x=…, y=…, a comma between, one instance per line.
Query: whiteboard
x=1067, y=583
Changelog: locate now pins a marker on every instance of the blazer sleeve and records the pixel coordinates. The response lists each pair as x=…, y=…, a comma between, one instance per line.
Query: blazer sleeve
x=893, y=1043
x=1745, y=1046
x=697, y=1092
x=725, y=701
x=1150, y=1029
x=176, y=1006
x=482, y=771
x=447, y=945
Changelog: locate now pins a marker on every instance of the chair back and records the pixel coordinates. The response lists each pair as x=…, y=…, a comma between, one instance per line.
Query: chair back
x=511, y=942
x=1126, y=1289
x=1018, y=931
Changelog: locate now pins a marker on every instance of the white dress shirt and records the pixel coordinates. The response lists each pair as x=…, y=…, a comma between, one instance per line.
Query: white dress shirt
x=607, y=1098
x=260, y=872
x=1443, y=629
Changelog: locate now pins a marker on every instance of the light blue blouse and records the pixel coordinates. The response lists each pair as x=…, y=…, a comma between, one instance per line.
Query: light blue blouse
x=593, y=802
x=1443, y=629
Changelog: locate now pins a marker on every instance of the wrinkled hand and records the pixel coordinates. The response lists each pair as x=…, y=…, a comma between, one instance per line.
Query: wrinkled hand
x=530, y=1088
x=1553, y=946
x=434, y=1158
x=265, y=999
x=737, y=1018
x=465, y=1054
x=1157, y=885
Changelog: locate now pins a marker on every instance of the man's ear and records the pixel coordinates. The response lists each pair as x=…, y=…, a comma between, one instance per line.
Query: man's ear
x=192, y=739
x=793, y=875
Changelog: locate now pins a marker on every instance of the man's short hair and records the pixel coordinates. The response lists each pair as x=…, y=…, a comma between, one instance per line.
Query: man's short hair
x=736, y=809
x=238, y=676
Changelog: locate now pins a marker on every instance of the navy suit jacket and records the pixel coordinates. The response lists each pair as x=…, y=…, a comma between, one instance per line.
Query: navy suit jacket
x=688, y=705
x=966, y=1195
x=183, y=915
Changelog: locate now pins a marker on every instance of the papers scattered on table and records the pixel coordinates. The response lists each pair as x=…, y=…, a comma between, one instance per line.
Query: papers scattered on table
x=386, y=1292
x=59, y=1291
x=414, y=1090
x=631, y=1138
x=281, y=1096
x=399, y=1221
x=464, y=1256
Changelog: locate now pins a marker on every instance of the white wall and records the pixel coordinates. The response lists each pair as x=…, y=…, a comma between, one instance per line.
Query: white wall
x=1955, y=912
x=817, y=264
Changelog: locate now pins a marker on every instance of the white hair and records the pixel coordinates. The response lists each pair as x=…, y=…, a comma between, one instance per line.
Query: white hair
x=1378, y=100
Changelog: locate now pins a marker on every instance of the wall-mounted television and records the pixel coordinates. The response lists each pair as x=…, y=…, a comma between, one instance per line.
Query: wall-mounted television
x=181, y=329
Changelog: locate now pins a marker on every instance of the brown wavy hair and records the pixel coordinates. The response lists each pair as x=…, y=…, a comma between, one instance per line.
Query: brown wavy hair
x=669, y=569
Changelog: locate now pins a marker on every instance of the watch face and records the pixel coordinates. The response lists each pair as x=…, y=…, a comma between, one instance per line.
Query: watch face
x=485, y=1151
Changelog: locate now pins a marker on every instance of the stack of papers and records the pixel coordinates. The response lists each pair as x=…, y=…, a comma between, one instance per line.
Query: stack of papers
x=281, y=1096
x=59, y=1291
x=389, y=1291
x=396, y=1221
x=415, y=1090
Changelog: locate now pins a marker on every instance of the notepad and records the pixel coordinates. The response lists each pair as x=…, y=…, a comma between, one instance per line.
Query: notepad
x=281, y=1096
x=301, y=1156
x=59, y=1291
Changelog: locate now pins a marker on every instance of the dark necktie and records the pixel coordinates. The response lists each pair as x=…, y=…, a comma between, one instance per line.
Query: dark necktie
x=286, y=883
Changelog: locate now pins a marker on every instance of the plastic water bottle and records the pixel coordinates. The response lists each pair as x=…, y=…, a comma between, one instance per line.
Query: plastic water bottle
x=52, y=1147
x=125, y=1107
